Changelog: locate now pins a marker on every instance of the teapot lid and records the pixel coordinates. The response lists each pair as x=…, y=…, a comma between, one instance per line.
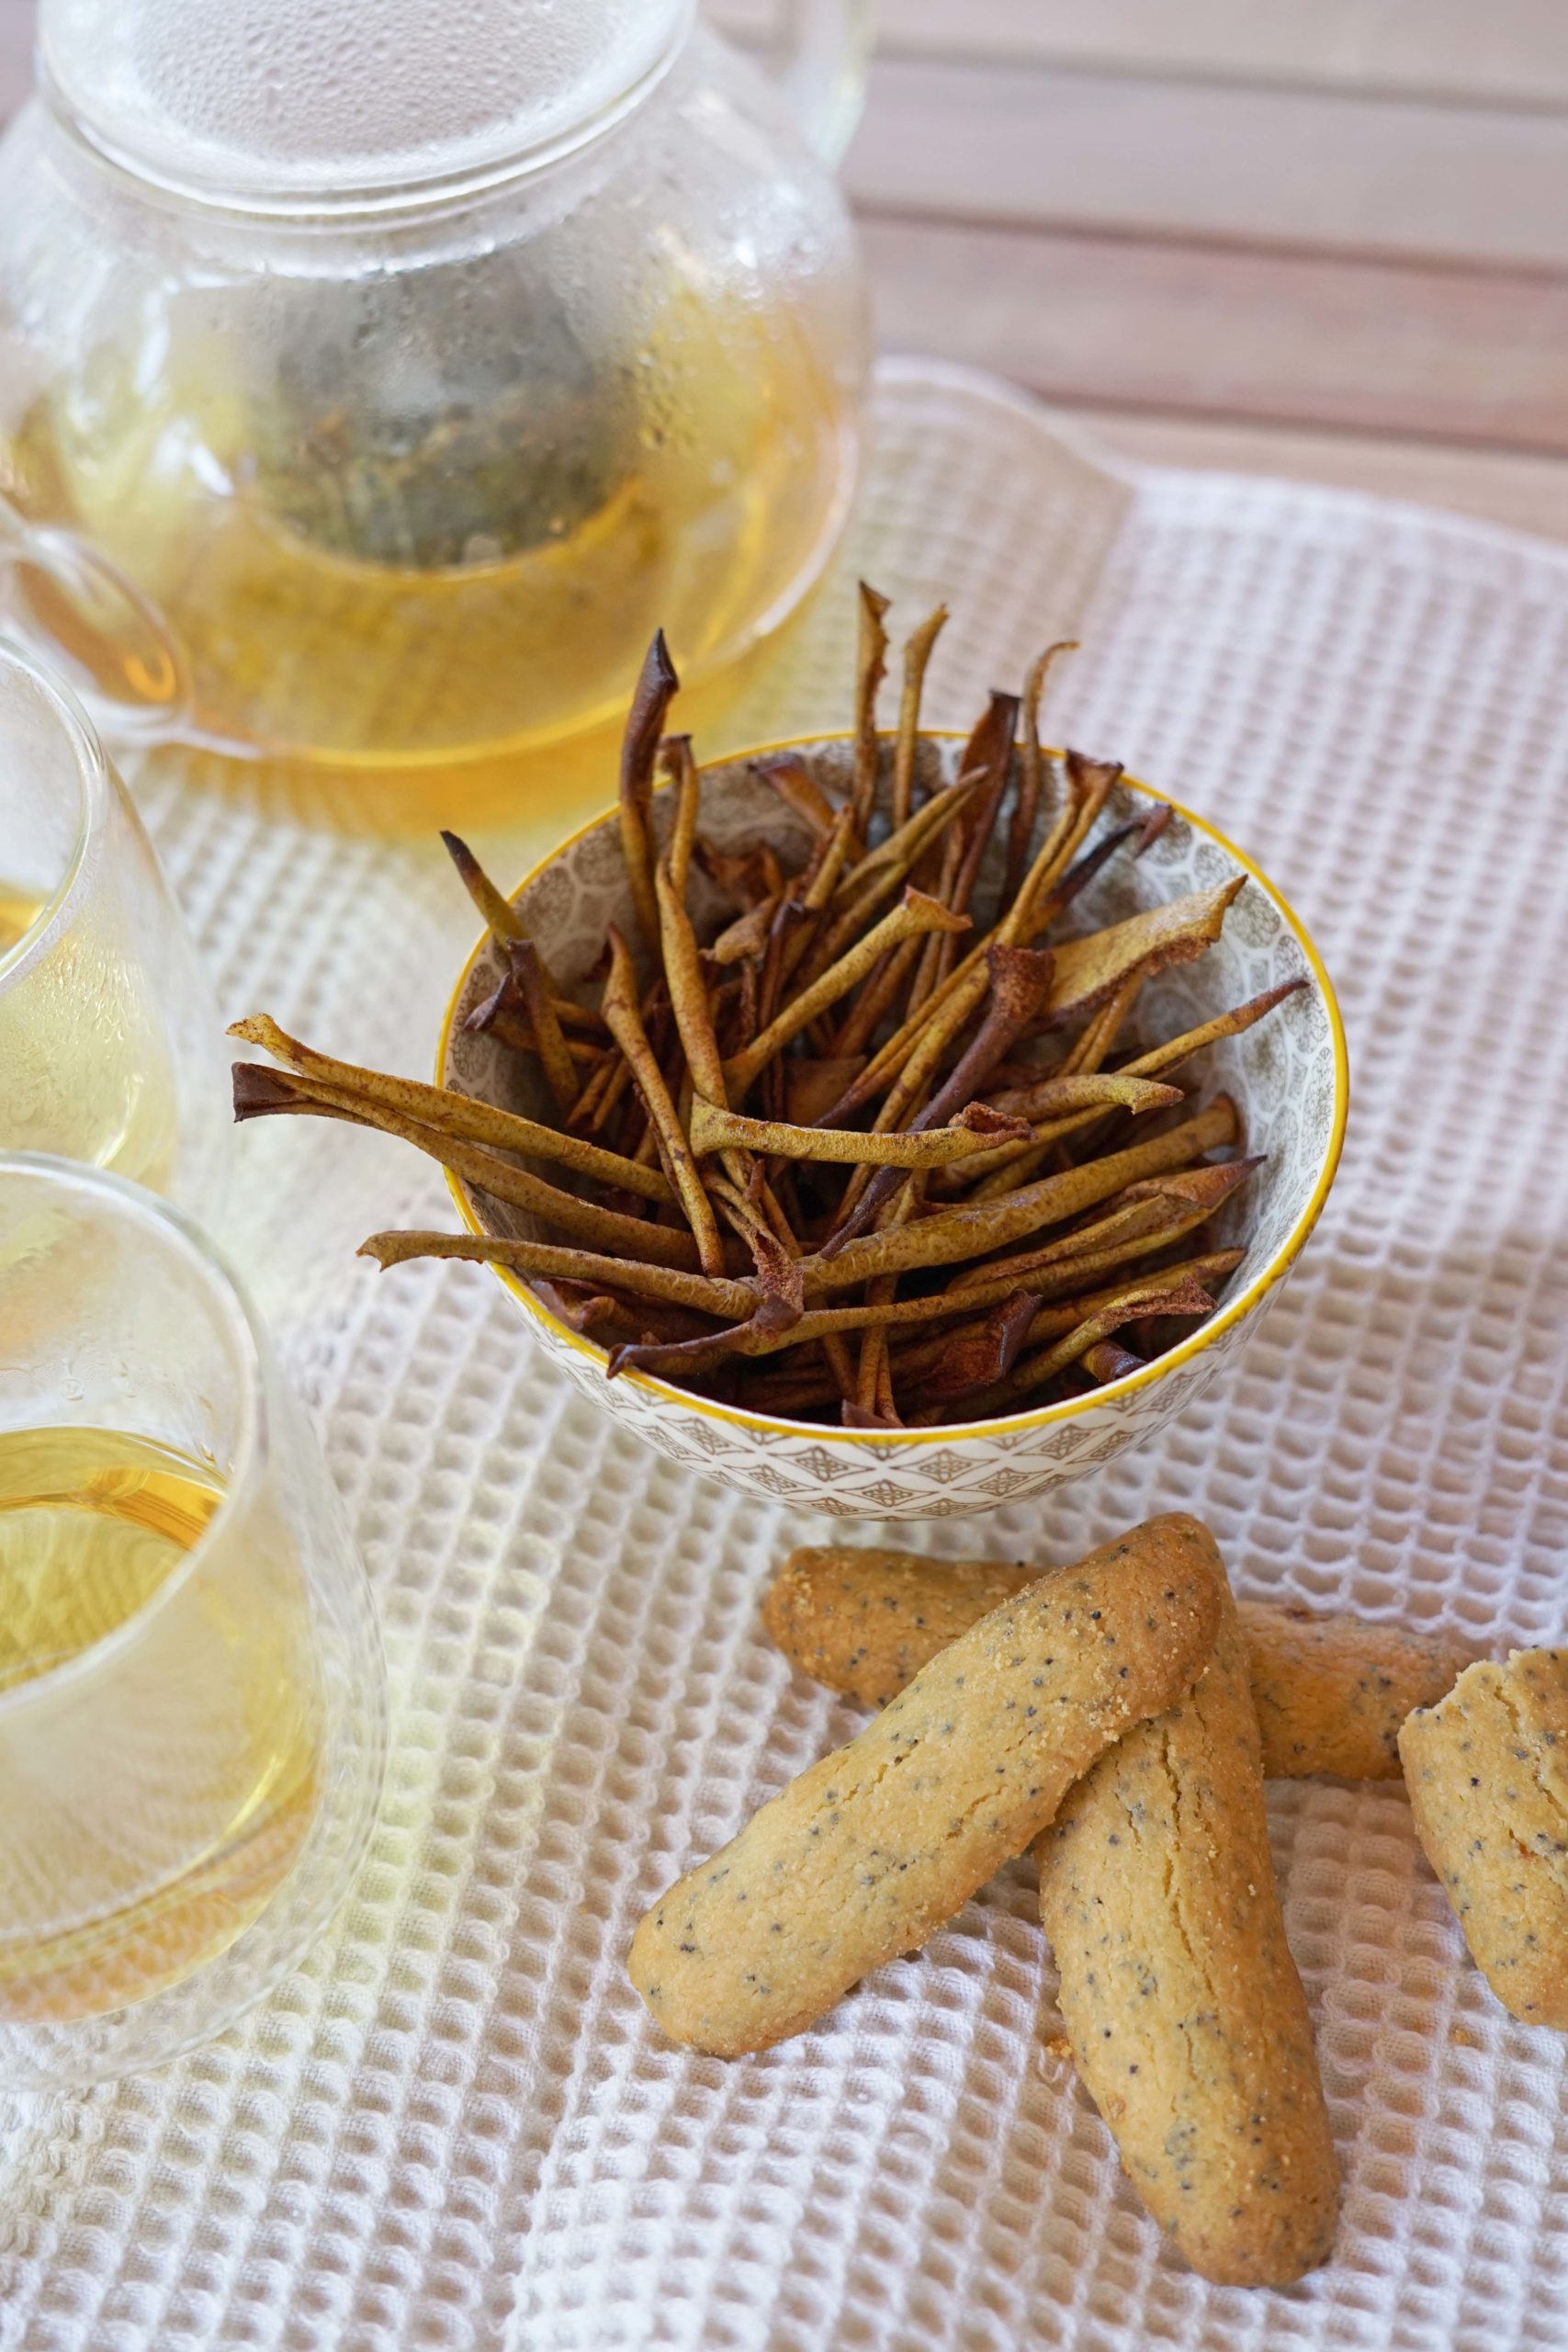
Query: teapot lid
x=312, y=105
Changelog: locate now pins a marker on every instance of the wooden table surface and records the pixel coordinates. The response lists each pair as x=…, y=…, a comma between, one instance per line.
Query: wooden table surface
x=1328, y=241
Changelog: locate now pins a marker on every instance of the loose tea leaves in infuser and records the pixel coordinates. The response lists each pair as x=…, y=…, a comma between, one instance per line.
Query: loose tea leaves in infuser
x=426, y=471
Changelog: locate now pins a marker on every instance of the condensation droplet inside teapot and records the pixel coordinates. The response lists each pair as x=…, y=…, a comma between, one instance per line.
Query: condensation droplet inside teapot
x=317, y=96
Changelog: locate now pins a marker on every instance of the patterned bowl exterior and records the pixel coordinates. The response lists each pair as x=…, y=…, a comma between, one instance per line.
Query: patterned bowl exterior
x=1288, y=1076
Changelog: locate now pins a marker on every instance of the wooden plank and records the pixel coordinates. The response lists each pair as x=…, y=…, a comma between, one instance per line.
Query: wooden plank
x=1512, y=51
x=1523, y=492
x=1054, y=148
x=1377, y=347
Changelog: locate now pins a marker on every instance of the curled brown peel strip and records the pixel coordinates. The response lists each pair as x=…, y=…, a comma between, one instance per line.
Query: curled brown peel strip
x=505, y=926
x=1185, y=1298
x=743, y=940
x=789, y=776
x=915, y=915
x=656, y=689
x=781, y=1391
x=824, y=867
x=871, y=1007
x=1108, y=1361
x=969, y=1231
x=871, y=663
x=1030, y=771
x=624, y=1013
x=1146, y=1213
x=988, y=756
x=674, y=1286
x=1081, y=873
x=262, y=1093
x=1089, y=783
x=676, y=758
x=777, y=1309
x=555, y=1060
x=503, y=1015
x=970, y=1134
x=1012, y=1166
x=894, y=857
x=1054, y=1098
x=1154, y=824
x=1020, y=978
x=879, y=1129
x=452, y=1113
x=973, y=1359
x=501, y=918
x=1089, y=970
x=916, y=656
x=844, y=907
x=1060, y=1302
x=1172, y=1055
x=688, y=992
x=938, y=1017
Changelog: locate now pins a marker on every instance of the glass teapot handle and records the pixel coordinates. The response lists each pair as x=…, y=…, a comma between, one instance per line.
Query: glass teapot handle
x=70, y=607
x=821, y=52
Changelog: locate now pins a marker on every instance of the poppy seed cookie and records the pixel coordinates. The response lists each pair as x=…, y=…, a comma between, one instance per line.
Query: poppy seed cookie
x=1186, y=2016
x=866, y=1853
x=1331, y=1691
x=1487, y=1772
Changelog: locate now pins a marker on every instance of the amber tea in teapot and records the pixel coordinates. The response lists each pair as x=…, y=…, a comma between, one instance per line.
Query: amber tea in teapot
x=399, y=455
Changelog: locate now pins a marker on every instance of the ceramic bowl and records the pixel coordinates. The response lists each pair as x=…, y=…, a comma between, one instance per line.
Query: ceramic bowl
x=1288, y=1075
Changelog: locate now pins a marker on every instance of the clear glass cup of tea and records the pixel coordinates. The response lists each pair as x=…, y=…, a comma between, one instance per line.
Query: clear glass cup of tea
x=109, y=1044
x=375, y=378
x=192, y=1692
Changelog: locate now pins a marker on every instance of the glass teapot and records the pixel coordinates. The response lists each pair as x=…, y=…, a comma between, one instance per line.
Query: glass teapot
x=375, y=378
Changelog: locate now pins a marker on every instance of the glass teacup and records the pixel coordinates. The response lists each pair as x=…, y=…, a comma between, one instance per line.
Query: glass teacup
x=109, y=1044
x=192, y=1693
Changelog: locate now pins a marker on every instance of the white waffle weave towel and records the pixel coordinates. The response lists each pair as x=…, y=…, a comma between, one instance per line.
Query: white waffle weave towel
x=455, y=2125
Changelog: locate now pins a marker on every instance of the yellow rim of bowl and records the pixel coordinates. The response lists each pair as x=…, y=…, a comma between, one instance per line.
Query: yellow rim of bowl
x=1230, y=1312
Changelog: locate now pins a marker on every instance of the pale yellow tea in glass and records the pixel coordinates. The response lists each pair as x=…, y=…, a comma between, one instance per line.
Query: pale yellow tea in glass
x=108, y=1043
x=19, y=910
x=203, y=1826
x=191, y=1695
x=88, y=1067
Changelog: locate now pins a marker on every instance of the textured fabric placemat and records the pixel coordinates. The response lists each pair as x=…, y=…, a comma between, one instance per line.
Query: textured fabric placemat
x=454, y=2126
